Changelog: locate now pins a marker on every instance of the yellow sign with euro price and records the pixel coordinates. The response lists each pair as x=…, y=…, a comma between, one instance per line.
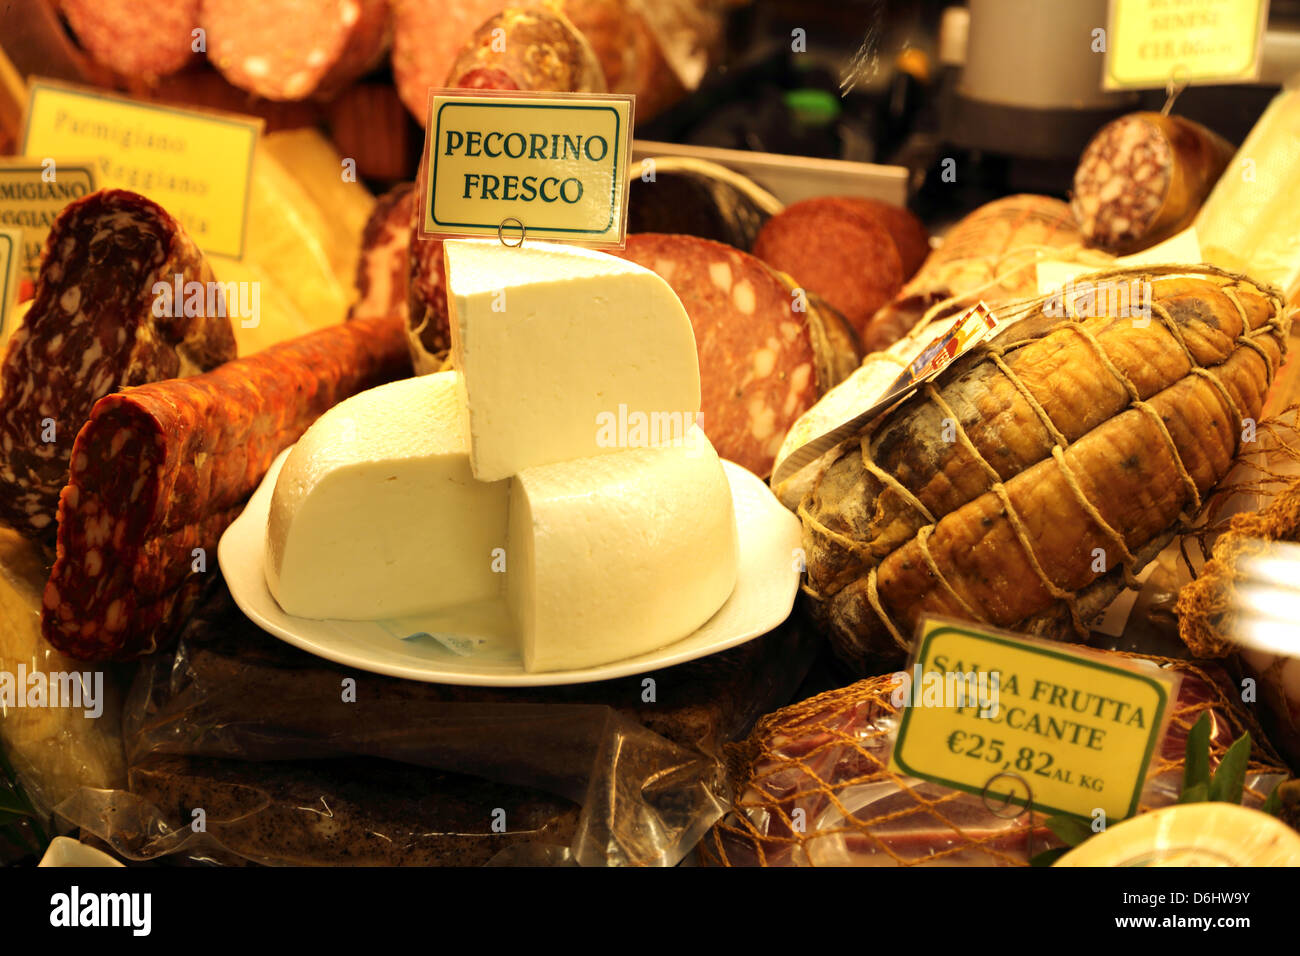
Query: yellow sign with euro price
x=11, y=246
x=33, y=193
x=1151, y=44
x=196, y=165
x=1059, y=727
x=511, y=165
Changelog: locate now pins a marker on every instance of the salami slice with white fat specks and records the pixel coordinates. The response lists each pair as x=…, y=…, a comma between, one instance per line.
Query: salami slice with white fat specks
x=161, y=470
x=1143, y=178
x=384, y=269
x=757, y=365
x=291, y=49
x=93, y=327
x=142, y=39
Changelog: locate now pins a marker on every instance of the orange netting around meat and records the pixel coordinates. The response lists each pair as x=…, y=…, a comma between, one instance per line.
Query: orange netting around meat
x=1208, y=608
x=812, y=786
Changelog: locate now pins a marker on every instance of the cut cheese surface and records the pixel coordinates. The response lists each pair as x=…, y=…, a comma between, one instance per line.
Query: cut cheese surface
x=556, y=343
x=617, y=555
x=376, y=513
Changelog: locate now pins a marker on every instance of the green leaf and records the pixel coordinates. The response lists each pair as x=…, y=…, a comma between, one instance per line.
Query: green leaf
x=1273, y=805
x=1197, y=794
x=1070, y=829
x=1230, y=777
x=1048, y=857
x=1196, y=769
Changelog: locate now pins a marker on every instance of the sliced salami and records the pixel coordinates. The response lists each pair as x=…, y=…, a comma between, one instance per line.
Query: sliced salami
x=159, y=472
x=384, y=269
x=292, y=49
x=429, y=329
x=836, y=250
x=527, y=50
x=1143, y=178
x=757, y=364
x=907, y=231
x=142, y=39
x=95, y=325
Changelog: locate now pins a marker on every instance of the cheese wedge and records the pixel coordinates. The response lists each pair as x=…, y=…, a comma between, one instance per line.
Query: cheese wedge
x=555, y=343
x=617, y=555
x=376, y=513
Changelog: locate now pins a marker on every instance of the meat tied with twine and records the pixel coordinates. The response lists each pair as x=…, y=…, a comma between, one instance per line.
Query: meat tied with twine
x=1028, y=483
x=812, y=785
x=1244, y=586
x=990, y=254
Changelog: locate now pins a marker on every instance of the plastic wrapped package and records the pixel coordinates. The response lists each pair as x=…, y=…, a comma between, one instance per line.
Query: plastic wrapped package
x=827, y=757
x=53, y=749
x=619, y=772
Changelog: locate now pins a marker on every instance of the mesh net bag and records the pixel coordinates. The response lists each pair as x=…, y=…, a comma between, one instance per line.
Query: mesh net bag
x=812, y=786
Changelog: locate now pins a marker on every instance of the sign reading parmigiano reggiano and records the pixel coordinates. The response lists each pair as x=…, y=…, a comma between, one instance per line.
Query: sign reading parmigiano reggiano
x=555, y=163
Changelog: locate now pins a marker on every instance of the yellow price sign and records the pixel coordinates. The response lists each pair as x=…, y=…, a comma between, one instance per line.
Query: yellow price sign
x=1151, y=43
x=998, y=714
x=196, y=165
x=551, y=166
x=11, y=256
x=32, y=194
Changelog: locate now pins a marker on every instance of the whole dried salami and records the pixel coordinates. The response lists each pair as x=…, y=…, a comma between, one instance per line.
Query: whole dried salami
x=1143, y=178
x=94, y=326
x=159, y=472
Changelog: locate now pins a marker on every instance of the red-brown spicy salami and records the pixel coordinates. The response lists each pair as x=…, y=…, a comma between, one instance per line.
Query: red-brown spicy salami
x=96, y=324
x=1143, y=178
x=757, y=365
x=836, y=250
x=384, y=269
x=162, y=469
x=291, y=49
x=137, y=38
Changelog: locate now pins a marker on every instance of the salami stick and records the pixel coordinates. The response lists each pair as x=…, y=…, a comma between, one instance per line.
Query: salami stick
x=1143, y=178
x=92, y=328
x=141, y=39
x=291, y=49
x=161, y=470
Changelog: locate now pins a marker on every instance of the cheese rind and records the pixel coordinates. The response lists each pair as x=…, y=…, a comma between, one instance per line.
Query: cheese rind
x=617, y=555
x=376, y=513
x=554, y=340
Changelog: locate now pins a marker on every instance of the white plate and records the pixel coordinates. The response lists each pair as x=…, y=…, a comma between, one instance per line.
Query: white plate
x=474, y=645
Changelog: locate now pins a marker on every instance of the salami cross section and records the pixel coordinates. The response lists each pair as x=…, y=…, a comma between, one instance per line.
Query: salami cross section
x=93, y=328
x=161, y=470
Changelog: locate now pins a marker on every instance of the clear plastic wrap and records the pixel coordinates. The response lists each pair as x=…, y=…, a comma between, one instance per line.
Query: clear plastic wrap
x=295, y=760
x=813, y=787
x=53, y=749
